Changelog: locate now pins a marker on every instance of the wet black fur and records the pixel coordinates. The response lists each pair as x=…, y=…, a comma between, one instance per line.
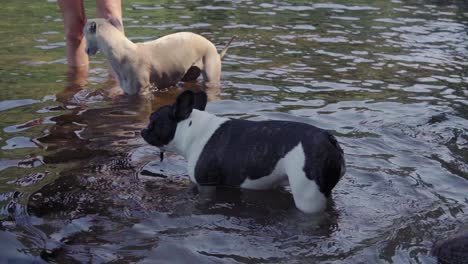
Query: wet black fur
x=241, y=149
x=163, y=122
x=452, y=250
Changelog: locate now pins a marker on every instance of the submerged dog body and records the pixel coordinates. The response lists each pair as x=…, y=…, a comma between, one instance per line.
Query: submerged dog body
x=162, y=62
x=249, y=154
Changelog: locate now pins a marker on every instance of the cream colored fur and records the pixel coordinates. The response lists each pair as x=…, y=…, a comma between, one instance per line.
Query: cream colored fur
x=160, y=63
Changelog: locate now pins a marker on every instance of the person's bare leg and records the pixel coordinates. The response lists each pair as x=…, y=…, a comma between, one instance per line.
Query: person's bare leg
x=74, y=19
x=110, y=9
x=76, y=79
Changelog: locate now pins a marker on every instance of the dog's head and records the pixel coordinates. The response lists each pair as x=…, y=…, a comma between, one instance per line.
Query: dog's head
x=163, y=122
x=91, y=30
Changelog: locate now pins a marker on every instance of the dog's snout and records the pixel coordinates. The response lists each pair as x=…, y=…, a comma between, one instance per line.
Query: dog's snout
x=91, y=50
x=143, y=131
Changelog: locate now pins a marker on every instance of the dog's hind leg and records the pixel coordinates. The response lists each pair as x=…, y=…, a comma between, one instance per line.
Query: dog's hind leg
x=306, y=192
x=212, y=68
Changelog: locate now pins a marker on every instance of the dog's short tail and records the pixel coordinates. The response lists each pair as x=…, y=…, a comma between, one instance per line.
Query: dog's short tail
x=223, y=52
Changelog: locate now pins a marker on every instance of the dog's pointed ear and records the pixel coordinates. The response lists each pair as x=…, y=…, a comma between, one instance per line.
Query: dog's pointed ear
x=200, y=100
x=116, y=23
x=92, y=27
x=183, y=106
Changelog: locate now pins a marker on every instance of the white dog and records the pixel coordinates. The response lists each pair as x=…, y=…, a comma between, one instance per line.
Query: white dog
x=249, y=154
x=163, y=62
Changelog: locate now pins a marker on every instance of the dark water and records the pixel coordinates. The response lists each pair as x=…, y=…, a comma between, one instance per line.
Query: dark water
x=389, y=78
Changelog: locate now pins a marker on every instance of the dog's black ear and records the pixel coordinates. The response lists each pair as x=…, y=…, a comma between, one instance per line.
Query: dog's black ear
x=183, y=106
x=92, y=27
x=116, y=23
x=200, y=100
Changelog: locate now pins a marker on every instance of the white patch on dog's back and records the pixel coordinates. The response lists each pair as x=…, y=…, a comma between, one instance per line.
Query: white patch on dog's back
x=192, y=135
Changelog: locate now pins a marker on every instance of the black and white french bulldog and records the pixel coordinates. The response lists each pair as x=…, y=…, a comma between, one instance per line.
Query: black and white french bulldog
x=249, y=154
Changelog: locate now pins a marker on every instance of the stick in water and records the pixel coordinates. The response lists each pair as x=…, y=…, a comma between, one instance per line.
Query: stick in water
x=161, y=156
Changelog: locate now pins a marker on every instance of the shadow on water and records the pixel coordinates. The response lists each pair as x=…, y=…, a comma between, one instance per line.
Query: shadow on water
x=102, y=189
x=94, y=148
x=99, y=190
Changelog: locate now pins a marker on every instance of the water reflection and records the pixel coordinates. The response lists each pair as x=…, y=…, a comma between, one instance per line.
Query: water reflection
x=76, y=78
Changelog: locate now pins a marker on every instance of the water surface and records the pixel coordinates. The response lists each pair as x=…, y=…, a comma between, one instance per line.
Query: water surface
x=388, y=78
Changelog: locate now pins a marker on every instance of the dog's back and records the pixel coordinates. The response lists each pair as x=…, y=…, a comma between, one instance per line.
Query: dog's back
x=241, y=149
x=249, y=154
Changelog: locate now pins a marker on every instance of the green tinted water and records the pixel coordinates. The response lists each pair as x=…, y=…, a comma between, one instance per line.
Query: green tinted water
x=78, y=184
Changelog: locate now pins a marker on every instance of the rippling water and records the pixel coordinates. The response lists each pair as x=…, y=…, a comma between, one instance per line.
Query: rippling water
x=388, y=78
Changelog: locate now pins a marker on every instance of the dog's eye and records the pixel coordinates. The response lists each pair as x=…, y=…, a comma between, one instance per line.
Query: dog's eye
x=92, y=27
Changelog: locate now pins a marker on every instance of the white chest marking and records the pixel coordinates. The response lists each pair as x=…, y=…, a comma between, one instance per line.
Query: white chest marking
x=192, y=135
